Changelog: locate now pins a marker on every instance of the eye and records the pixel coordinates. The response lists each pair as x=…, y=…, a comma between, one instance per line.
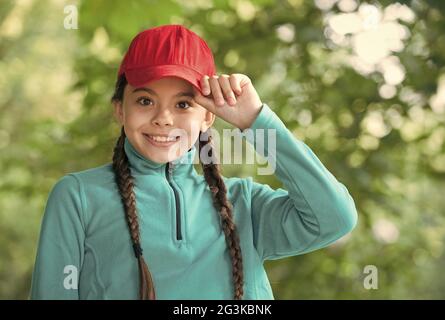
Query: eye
x=181, y=103
x=143, y=101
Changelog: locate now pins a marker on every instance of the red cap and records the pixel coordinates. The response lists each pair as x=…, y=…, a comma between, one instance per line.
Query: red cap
x=168, y=50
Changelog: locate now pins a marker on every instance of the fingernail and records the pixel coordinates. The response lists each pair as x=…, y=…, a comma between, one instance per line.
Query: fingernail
x=232, y=100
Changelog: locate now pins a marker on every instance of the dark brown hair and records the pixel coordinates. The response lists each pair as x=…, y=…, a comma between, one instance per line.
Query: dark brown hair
x=212, y=175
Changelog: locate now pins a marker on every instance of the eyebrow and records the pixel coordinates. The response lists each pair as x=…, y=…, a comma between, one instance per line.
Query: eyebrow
x=180, y=94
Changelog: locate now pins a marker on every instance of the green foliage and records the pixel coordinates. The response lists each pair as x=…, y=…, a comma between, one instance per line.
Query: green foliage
x=55, y=105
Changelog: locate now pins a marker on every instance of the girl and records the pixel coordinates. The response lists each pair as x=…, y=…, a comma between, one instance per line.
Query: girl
x=148, y=226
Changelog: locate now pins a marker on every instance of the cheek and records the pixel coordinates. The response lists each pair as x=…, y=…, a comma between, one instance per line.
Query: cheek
x=188, y=128
x=194, y=126
x=134, y=117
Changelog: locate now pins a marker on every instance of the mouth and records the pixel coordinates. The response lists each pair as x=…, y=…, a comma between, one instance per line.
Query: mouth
x=161, y=141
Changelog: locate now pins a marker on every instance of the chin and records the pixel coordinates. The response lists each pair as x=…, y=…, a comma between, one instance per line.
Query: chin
x=158, y=159
x=164, y=158
x=161, y=155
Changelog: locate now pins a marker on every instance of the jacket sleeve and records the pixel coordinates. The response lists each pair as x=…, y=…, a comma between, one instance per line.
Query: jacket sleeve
x=311, y=212
x=61, y=244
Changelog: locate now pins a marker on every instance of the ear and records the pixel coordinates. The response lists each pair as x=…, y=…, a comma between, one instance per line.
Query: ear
x=118, y=111
x=209, y=118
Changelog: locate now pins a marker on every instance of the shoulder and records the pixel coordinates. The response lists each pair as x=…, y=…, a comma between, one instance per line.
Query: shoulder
x=238, y=186
x=86, y=180
x=251, y=189
x=93, y=176
x=76, y=189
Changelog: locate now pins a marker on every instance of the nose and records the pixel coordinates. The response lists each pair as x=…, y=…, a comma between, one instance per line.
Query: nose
x=163, y=118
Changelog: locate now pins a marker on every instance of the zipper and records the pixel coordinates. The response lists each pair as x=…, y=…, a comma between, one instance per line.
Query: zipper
x=168, y=174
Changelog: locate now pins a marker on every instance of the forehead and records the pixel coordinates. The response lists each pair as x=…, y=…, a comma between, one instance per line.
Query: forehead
x=170, y=84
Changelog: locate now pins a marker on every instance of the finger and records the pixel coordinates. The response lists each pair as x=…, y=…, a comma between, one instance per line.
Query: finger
x=204, y=101
x=216, y=90
x=205, y=87
x=235, y=83
x=226, y=88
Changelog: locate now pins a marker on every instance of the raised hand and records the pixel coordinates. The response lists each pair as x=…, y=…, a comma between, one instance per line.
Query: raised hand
x=232, y=98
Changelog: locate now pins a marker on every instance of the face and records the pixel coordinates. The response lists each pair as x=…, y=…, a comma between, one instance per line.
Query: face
x=161, y=119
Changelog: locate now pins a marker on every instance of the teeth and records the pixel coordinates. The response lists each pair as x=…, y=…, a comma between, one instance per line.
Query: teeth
x=162, y=139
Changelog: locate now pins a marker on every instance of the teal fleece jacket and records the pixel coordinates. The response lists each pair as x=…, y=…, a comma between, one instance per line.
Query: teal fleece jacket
x=85, y=250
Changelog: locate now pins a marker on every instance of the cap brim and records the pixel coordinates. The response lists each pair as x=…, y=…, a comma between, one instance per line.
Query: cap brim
x=138, y=77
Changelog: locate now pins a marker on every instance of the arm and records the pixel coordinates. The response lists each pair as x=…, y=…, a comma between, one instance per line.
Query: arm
x=311, y=212
x=61, y=245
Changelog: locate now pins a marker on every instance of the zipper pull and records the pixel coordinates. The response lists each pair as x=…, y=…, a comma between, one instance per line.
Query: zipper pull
x=170, y=168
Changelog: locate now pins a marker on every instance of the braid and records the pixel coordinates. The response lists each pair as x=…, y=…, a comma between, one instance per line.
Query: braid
x=219, y=194
x=125, y=184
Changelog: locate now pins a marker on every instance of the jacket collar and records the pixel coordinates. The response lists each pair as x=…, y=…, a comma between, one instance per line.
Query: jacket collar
x=144, y=166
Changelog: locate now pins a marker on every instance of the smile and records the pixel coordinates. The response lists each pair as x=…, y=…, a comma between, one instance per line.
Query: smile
x=161, y=141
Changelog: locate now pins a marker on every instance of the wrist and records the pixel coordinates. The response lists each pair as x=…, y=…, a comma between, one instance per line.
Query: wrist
x=251, y=118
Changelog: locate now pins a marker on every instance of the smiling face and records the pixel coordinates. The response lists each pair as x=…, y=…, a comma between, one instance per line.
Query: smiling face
x=161, y=119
